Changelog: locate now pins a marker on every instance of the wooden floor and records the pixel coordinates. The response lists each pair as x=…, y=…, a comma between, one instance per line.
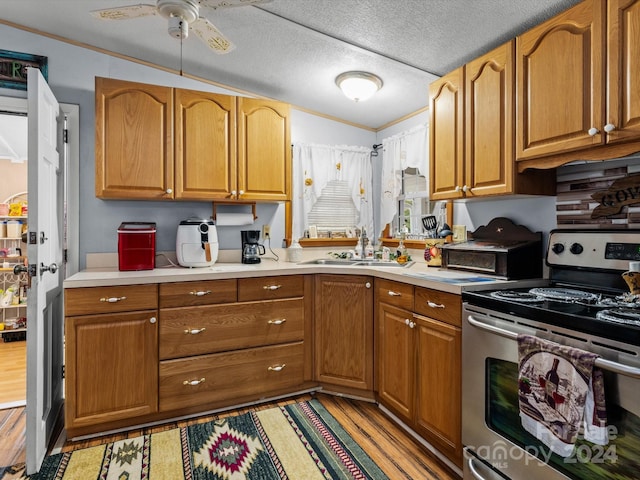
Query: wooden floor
x=397, y=454
x=13, y=373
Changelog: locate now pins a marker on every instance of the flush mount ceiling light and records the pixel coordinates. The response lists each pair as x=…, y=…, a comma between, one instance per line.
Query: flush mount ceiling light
x=358, y=86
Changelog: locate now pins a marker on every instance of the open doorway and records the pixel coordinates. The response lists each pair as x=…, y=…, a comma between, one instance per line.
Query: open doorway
x=13, y=287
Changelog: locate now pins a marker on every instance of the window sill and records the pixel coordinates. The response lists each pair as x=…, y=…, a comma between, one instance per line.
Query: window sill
x=328, y=242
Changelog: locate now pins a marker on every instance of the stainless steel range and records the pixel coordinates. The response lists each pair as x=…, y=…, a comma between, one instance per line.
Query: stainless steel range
x=586, y=304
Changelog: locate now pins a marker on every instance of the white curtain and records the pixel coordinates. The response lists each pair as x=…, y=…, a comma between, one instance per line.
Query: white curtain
x=315, y=165
x=401, y=151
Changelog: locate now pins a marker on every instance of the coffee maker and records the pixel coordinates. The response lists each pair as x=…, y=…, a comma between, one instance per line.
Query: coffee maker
x=251, y=249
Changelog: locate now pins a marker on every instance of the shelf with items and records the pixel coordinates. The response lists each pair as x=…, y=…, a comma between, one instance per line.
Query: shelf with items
x=13, y=301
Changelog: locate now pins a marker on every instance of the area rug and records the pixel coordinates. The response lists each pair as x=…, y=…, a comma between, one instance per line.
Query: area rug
x=300, y=441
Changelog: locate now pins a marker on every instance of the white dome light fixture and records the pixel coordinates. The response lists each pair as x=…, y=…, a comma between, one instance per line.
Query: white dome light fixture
x=358, y=86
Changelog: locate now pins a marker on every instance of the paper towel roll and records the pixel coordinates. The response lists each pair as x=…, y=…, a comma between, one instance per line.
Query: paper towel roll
x=223, y=219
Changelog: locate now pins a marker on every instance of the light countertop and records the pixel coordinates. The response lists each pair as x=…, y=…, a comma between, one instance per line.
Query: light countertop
x=419, y=274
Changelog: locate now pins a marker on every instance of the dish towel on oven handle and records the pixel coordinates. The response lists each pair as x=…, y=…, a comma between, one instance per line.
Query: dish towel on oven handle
x=560, y=391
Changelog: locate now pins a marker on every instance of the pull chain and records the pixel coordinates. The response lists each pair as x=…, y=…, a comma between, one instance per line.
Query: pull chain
x=181, y=49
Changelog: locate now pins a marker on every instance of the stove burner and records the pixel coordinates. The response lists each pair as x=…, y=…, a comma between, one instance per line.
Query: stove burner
x=620, y=315
x=565, y=295
x=524, y=297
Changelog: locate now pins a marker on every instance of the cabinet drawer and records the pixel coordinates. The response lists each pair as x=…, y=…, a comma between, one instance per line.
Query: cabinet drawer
x=217, y=328
x=394, y=293
x=228, y=376
x=269, y=288
x=186, y=294
x=439, y=305
x=125, y=298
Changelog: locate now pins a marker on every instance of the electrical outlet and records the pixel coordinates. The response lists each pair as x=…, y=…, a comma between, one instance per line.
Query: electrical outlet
x=266, y=231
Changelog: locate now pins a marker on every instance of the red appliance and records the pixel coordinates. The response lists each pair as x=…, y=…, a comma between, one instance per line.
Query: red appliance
x=136, y=246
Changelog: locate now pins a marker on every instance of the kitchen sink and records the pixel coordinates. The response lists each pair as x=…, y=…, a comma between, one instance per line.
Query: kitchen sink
x=354, y=263
x=328, y=261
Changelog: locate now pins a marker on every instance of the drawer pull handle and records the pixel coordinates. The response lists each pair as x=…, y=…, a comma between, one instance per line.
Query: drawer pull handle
x=435, y=305
x=194, y=331
x=277, y=368
x=279, y=321
x=193, y=383
x=272, y=287
x=200, y=293
x=112, y=299
x=394, y=294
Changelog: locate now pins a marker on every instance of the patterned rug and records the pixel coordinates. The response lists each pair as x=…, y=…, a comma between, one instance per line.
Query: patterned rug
x=298, y=442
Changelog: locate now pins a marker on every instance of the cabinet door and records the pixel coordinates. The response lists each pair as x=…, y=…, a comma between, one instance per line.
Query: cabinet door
x=396, y=359
x=623, y=72
x=264, y=150
x=205, y=156
x=489, y=100
x=134, y=140
x=446, y=105
x=344, y=331
x=112, y=367
x=560, y=94
x=438, y=374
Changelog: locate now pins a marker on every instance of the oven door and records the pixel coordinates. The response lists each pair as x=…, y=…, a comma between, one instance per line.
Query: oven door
x=497, y=447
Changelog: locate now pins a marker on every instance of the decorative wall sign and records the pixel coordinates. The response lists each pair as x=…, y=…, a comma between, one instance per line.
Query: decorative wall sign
x=624, y=191
x=13, y=68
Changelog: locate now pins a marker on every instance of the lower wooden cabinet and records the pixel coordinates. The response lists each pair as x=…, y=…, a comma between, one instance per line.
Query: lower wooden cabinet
x=438, y=387
x=344, y=331
x=419, y=362
x=111, y=368
x=227, y=378
x=396, y=360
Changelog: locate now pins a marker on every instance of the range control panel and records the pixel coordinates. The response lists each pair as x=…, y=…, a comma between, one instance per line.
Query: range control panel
x=601, y=249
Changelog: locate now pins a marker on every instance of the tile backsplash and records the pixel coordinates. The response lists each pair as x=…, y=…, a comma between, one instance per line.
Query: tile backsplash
x=578, y=181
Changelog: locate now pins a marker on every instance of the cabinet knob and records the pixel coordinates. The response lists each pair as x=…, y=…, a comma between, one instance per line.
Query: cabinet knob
x=113, y=299
x=407, y=321
x=412, y=324
x=194, y=331
x=276, y=368
x=368, y=284
x=153, y=320
x=435, y=305
x=169, y=191
x=465, y=189
x=241, y=192
x=457, y=189
x=233, y=193
x=593, y=131
x=278, y=321
x=193, y=383
x=609, y=127
x=200, y=293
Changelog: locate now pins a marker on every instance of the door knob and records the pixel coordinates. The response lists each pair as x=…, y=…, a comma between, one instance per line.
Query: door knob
x=53, y=268
x=18, y=269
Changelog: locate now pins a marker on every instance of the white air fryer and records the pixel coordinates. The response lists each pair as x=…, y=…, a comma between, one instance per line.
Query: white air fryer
x=197, y=243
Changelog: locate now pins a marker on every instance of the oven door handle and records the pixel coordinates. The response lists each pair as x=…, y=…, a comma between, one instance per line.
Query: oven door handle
x=603, y=363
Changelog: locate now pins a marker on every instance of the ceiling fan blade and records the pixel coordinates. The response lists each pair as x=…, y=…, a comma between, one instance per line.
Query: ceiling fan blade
x=123, y=13
x=211, y=36
x=215, y=4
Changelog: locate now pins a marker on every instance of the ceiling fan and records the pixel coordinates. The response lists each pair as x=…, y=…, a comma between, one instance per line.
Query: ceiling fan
x=182, y=15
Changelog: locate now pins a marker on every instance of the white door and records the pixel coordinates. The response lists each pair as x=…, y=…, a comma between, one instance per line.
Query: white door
x=45, y=320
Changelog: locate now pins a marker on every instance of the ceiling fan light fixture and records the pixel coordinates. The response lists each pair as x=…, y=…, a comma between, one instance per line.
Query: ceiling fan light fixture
x=358, y=86
x=178, y=27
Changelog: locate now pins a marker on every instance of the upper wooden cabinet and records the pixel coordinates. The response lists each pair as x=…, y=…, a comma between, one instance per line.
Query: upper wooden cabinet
x=162, y=143
x=472, y=130
x=578, y=85
x=134, y=140
x=264, y=150
x=205, y=145
x=446, y=154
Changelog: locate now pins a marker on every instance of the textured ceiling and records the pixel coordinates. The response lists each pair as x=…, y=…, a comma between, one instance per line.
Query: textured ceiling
x=292, y=50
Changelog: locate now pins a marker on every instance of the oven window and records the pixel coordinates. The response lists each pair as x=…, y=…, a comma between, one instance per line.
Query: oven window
x=618, y=460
